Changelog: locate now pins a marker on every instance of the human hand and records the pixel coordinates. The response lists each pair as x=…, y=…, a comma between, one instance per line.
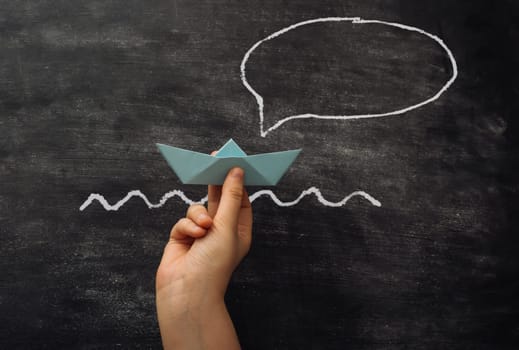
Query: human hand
x=203, y=250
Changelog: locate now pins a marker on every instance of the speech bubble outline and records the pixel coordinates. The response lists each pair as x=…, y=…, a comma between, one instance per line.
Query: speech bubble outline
x=353, y=20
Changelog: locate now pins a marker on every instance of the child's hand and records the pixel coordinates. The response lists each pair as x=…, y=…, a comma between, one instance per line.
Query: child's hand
x=203, y=250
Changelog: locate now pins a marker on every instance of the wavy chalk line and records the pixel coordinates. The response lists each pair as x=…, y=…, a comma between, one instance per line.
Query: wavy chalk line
x=177, y=193
x=354, y=20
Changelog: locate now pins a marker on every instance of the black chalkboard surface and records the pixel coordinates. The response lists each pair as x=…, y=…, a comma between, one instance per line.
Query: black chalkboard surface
x=389, y=232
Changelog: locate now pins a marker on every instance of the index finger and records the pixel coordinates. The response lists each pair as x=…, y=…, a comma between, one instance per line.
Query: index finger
x=231, y=199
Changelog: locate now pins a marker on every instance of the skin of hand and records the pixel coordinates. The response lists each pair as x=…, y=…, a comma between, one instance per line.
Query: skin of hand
x=203, y=250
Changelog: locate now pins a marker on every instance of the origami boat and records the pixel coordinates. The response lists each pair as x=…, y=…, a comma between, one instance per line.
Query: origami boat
x=195, y=168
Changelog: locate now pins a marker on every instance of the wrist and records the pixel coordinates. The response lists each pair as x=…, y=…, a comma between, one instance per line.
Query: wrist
x=188, y=294
x=187, y=315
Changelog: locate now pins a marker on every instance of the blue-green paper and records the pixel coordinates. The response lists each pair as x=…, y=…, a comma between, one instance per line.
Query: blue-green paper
x=196, y=168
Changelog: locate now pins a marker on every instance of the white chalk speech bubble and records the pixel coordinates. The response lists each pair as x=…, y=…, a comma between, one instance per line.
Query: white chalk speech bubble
x=355, y=20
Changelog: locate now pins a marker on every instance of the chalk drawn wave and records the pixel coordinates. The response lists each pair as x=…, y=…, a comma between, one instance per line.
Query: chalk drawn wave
x=268, y=193
x=354, y=20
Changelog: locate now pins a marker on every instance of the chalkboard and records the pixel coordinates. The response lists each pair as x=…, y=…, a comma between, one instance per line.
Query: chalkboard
x=396, y=228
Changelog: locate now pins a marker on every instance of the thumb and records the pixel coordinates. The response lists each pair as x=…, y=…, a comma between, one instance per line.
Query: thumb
x=230, y=202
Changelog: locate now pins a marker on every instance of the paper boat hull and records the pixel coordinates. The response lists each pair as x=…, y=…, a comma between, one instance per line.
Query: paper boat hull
x=196, y=168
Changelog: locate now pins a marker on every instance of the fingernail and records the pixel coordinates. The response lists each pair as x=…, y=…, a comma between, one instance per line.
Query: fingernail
x=237, y=173
x=202, y=217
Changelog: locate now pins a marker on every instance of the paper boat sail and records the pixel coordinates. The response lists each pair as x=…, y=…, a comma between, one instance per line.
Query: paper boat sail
x=196, y=168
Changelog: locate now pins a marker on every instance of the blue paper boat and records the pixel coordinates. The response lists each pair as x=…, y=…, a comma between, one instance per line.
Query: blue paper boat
x=203, y=169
